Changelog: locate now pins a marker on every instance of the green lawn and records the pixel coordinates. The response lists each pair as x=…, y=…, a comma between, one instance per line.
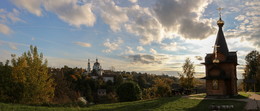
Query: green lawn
x=163, y=104
x=257, y=93
x=242, y=95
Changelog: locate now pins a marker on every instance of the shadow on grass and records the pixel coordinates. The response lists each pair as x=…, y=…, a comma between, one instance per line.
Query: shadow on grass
x=146, y=105
x=205, y=104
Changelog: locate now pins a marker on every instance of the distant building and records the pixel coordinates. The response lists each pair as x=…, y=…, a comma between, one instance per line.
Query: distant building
x=108, y=77
x=89, y=69
x=97, y=71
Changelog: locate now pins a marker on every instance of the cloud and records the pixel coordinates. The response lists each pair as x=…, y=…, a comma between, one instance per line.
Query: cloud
x=248, y=27
x=240, y=17
x=111, y=46
x=7, y=18
x=148, y=29
x=12, y=45
x=112, y=14
x=195, y=30
x=144, y=59
x=129, y=51
x=168, y=17
x=184, y=16
x=33, y=6
x=5, y=29
x=70, y=12
x=83, y=44
x=13, y=16
x=152, y=24
x=2, y=10
x=67, y=10
x=172, y=47
x=145, y=25
x=140, y=48
x=5, y=55
x=133, y=1
x=153, y=51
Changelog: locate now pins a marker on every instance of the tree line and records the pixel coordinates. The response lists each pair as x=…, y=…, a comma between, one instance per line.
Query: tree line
x=251, y=75
x=28, y=80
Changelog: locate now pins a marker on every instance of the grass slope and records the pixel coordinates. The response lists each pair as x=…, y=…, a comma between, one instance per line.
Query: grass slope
x=257, y=93
x=242, y=95
x=163, y=104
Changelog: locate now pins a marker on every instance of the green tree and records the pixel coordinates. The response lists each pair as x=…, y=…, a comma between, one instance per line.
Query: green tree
x=187, y=76
x=31, y=79
x=141, y=81
x=252, y=71
x=129, y=91
x=88, y=93
x=118, y=80
x=5, y=82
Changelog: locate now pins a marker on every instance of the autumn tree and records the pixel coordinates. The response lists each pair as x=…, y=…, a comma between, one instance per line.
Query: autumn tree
x=252, y=71
x=63, y=92
x=162, y=87
x=187, y=75
x=31, y=80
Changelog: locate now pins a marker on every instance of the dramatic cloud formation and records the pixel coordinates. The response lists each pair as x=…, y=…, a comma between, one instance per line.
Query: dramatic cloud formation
x=111, y=46
x=154, y=35
x=151, y=24
x=183, y=16
x=83, y=44
x=112, y=14
x=70, y=12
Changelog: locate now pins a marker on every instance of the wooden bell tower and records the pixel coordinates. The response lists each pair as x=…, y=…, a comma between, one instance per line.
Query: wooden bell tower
x=221, y=74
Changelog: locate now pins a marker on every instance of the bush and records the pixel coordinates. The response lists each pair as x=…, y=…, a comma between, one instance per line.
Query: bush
x=129, y=91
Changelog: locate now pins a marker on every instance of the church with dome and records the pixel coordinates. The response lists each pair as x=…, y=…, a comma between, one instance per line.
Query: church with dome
x=221, y=73
x=97, y=69
x=98, y=72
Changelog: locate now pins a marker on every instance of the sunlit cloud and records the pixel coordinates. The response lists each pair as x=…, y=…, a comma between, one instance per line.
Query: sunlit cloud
x=83, y=44
x=140, y=48
x=68, y=11
x=112, y=45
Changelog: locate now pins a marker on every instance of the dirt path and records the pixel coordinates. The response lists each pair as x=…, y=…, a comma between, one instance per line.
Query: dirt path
x=253, y=102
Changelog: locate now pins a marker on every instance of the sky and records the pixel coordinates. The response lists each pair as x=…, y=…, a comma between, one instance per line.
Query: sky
x=154, y=36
